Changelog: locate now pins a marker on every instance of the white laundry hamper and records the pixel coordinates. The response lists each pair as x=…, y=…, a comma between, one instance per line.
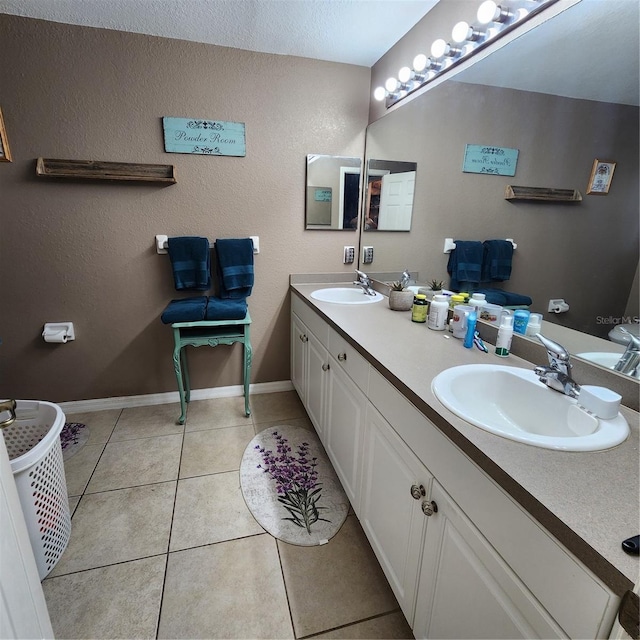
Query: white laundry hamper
x=35, y=454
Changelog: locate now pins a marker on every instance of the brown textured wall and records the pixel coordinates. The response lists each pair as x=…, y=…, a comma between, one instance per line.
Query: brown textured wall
x=85, y=251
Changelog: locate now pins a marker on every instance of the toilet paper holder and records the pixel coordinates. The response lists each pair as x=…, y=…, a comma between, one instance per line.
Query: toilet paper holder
x=558, y=305
x=58, y=332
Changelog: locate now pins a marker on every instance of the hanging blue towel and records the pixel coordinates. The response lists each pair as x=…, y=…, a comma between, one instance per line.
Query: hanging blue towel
x=505, y=298
x=235, y=267
x=218, y=309
x=185, y=310
x=465, y=264
x=496, y=262
x=190, y=261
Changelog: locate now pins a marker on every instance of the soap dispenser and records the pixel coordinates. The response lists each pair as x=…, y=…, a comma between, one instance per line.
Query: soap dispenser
x=505, y=334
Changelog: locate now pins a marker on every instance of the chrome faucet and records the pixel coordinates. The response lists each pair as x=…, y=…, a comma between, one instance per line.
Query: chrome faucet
x=557, y=375
x=630, y=359
x=365, y=282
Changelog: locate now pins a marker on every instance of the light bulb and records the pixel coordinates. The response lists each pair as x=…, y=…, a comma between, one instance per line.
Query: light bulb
x=420, y=62
x=460, y=32
x=379, y=94
x=404, y=75
x=487, y=12
x=439, y=48
x=520, y=14
x=391, y=85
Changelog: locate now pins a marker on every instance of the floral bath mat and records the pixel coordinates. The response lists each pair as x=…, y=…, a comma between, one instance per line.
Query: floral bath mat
x=291, y=488
x=73, y=437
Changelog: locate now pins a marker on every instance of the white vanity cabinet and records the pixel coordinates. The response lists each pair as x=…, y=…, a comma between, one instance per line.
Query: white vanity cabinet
x=463, y=558
x=331, y=377
x=395, y=489
x=310, y=362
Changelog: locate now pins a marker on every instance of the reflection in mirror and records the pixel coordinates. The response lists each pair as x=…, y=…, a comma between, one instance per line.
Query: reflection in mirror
x=390, y=188
x=585, y=253
x=333, y=192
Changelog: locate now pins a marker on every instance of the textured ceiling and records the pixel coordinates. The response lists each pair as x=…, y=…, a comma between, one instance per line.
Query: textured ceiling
x=351, y=31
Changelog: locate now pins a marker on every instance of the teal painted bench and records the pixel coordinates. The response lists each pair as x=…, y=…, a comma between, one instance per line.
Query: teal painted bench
x=209, y=333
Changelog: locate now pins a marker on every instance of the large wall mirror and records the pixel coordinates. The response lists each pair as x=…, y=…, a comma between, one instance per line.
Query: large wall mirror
x=552, y=95
x=389, y=191
x=333, y=192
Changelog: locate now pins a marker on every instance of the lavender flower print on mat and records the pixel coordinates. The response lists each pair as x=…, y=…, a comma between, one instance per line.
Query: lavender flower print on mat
x=73, y=437
x=291, y=488
x=296, y=480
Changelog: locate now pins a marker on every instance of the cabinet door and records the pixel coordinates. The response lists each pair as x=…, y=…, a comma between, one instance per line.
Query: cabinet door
x=390, y=515
x=344, y=423
x=316, y=383
x=299, y=337
x=466, y=590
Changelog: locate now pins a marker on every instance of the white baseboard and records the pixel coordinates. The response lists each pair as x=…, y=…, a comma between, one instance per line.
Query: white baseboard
x=125, y=402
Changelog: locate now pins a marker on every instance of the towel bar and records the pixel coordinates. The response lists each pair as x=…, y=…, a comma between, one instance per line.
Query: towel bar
x=162, y=244
x=450, y=245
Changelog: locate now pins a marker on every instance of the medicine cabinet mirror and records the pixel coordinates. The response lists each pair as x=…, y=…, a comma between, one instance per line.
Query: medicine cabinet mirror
x=389, y=190
x=333, y=192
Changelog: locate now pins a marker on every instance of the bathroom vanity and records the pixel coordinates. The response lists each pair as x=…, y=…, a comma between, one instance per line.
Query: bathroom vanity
x=478, y=536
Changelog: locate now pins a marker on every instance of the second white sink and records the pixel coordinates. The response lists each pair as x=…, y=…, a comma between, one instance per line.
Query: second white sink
x=512, y=403
x=345, y=295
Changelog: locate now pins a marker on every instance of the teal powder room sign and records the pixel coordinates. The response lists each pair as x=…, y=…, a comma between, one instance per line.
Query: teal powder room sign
x=497, y=161
x=203, y=137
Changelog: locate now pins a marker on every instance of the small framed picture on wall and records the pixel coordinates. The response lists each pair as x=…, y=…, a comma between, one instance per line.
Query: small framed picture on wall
x=5, y=153
x=601, y=175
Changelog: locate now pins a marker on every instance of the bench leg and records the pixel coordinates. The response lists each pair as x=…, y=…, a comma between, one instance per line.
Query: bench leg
x=177, y=357
x=248, y=355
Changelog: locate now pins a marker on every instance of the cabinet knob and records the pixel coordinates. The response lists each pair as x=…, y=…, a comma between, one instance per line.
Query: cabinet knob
x=342, y=357
x=303, y=337
x=429, y=508
x=418, y=492
x=325, y=367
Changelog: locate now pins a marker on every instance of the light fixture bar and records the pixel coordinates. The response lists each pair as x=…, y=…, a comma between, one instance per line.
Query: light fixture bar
x=493, y=21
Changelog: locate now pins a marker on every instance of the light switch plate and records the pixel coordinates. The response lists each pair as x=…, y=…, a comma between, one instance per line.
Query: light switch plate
x=367, y=255
x=349, y=255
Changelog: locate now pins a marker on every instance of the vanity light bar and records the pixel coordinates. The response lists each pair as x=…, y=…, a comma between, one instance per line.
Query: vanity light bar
x=493, y=21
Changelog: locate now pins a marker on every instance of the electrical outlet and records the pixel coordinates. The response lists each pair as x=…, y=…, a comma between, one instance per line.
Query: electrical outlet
x=349, y=255
x=367, y=255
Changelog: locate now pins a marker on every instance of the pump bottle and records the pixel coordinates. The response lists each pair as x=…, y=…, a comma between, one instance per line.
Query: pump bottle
x=505, y=334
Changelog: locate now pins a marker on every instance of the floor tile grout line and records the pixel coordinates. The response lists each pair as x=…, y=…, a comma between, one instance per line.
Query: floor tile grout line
x=350, y=624
x=173, y=513
x=286, y=590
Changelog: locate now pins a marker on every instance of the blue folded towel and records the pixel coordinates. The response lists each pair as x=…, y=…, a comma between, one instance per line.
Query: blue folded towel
x=496, y=261
x=465, y=264
x=185, y=310
x=505, y=298
x=235, y=267
x=218, y=309
x=190, y=260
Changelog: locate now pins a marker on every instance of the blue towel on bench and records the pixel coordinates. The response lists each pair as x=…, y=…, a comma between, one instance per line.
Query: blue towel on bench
x=505, y=298
x=496, y=261
x=185, y=310
x=465, y=264
x=235, y=267
x=218, y=309
x=190, y=261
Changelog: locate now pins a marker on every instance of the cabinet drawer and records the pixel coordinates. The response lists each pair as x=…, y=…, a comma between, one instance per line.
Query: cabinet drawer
x=310, y=318
x=356, y=367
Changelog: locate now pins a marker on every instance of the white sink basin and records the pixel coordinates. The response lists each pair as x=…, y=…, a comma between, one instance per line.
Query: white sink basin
x=345, y=295
x=512, y=403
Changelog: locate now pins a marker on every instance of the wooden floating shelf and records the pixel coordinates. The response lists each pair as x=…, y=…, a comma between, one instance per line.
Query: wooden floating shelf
x=97, y=170
x=542, y=194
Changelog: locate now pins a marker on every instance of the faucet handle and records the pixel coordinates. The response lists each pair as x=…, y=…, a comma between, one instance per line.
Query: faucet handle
x=554, y=349
x=634, y=340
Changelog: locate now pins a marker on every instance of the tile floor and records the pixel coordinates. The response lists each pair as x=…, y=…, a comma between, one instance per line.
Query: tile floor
x=163, y=545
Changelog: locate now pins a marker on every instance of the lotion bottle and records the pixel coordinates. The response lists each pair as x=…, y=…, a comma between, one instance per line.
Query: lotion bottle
x=471, y=329
x=505, y=334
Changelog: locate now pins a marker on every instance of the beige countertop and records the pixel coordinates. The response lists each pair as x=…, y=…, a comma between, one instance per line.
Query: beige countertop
x=590, y=501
